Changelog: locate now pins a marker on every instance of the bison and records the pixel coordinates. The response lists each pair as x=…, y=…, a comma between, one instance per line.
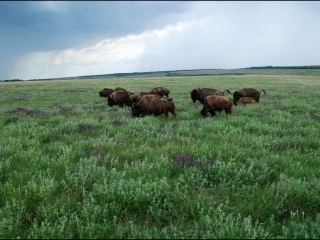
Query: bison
x=120, y=89
x=120, y=98
x=160, y=91
x=245, y=100
x=200, y=94
x=106, y=92
x=215, y=103
x=153, y=105
x=247, y=92
x=136, y=97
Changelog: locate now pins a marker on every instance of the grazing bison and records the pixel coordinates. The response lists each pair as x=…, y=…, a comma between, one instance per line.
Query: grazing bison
x=247, y=92
x=136, y=97
x=153, y=105
x=160, y=91
x=120, y=98
x=106, y=92
x=215, y=103
x=200, y=94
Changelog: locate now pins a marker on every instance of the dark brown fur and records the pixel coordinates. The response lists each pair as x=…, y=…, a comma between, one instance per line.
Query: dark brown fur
x=200, y=94
x=246, y=99
x=136, y=97
x=120, y=89
x=247, y=92
x=120, y=98
x=215, y=103
x=106, y=92
x=153, y=105
x=160, y=91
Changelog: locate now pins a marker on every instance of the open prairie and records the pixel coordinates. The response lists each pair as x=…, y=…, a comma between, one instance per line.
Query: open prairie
x=73, y=167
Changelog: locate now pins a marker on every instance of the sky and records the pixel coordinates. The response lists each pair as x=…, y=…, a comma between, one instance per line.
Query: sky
x=54, y=39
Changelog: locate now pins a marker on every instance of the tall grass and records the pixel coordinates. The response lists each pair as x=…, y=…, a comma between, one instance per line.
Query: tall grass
x=72, y=167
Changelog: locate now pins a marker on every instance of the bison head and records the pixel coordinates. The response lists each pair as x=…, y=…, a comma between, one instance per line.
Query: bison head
x=236, y=96
x=194, y=95
x=106, y=92
x=135, y=110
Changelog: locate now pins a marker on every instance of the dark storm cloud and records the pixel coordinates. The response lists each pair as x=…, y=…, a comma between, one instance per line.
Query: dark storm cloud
x=65, y=24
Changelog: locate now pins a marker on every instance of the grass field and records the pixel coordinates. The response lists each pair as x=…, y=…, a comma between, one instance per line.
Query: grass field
x=72, y=167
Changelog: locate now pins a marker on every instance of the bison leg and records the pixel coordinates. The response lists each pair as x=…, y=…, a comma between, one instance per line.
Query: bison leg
x=173, y=112
x=166, y=115
x=228, y=111
x=110, y=102
x=143, y=114
x=204, y=112
x=212, y=112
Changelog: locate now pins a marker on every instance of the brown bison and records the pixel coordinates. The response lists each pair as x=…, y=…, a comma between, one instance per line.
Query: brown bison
x=215, y=103
x=247, y=92
x=120, y=98
x=200, y=94
x=106, y=92
x=245, y=100
x=136, y=97
x=120, y=89
x=160, y=91
x=153, y=105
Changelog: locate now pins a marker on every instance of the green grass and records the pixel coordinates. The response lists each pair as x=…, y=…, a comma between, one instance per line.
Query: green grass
x=72, y=167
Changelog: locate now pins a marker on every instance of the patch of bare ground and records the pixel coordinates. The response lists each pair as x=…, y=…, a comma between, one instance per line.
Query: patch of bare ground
x=64, y=110
x=76, y=90
x=30, y=112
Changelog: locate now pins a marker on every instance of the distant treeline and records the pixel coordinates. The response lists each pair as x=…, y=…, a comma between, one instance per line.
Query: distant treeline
x=287, y=67
x=12, y=80
x=193, y=72
x=172, y=74
x=124, y=74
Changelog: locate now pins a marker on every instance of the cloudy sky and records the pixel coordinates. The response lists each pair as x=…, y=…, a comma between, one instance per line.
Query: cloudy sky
x=50, y=39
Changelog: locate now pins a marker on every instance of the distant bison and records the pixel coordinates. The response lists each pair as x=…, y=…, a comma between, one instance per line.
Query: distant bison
x=160, y=91
x=106, y=92
x=247, y=92
x=153, y=105
x=200, y=94
x=215, y=103
x=120, y=98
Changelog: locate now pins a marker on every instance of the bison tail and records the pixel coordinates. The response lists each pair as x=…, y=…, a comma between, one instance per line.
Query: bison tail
x=227, y=91
x=264, y=92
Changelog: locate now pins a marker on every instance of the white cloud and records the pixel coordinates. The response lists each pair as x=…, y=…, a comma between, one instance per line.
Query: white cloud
x=123, y=54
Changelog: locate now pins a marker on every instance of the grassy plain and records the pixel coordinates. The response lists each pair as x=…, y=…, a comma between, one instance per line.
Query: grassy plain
x=72, y=167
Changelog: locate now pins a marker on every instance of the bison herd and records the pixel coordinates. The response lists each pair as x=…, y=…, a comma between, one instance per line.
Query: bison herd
x=157, y=101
